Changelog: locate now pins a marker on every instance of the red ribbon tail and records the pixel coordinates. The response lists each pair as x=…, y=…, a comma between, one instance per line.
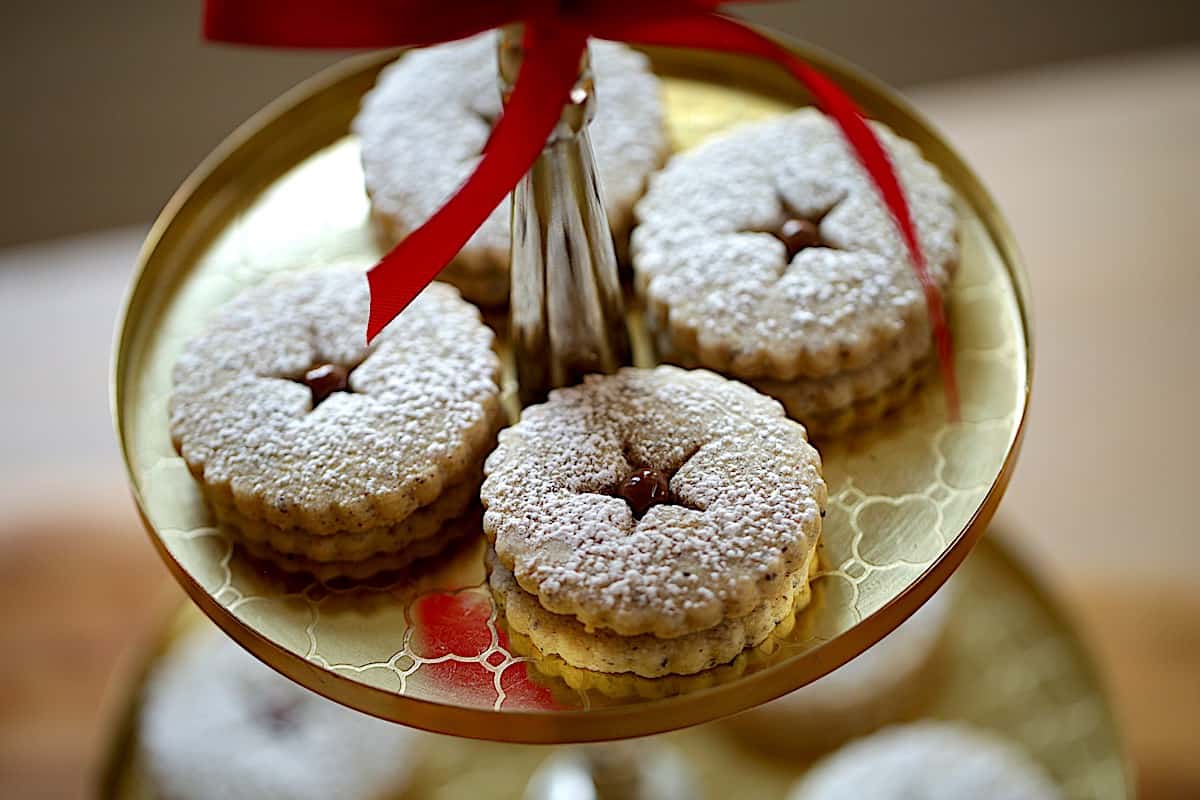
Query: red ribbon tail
x=543, y=84
x=683, y=27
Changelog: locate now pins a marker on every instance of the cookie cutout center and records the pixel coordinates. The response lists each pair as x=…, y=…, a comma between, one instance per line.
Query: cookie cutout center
x=644, y=489
x=325, y=379
x=280, y=714
x=798, y=234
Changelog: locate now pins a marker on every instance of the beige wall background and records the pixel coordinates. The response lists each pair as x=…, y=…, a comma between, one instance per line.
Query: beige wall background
x=108, y=105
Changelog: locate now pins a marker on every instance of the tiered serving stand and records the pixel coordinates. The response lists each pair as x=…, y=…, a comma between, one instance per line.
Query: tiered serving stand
x=909, y=498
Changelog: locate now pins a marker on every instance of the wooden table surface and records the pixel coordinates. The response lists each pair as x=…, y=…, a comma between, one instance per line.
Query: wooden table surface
x=1096, y=167
x=78, y=593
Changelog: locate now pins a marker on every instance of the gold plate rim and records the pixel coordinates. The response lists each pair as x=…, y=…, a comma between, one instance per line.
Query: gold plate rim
x=303, y=103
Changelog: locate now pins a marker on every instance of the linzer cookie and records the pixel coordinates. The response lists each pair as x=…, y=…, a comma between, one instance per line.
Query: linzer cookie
x=931, y=760
x=767, y=255
x=426, y=122
x=216, y=723
x=311, y=445
x=647, y=506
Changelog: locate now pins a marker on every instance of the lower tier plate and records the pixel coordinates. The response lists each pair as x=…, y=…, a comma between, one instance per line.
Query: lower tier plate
x=1010, y=663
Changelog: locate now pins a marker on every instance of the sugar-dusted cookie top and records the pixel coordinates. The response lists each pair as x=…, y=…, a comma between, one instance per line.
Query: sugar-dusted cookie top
x=930, y=760
x=419, y=407
x=216, y=723
x=425, y=124
x=738, y=512
x=711, y=260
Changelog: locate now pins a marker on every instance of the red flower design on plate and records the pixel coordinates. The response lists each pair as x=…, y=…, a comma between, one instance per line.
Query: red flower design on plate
x=453, y=631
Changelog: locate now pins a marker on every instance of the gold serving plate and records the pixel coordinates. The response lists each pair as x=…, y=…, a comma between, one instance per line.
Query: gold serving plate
x=1009, y=662
x=908, y=498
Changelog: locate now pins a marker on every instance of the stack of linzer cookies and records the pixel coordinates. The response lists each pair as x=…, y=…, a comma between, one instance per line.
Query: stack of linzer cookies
x=643, y=526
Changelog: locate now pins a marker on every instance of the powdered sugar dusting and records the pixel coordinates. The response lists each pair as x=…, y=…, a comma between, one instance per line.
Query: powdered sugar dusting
x=423, y=407
x=747, y=482
x=726, y=291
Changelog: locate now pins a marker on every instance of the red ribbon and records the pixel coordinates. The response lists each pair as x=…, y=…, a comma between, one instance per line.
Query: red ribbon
x=556, y=33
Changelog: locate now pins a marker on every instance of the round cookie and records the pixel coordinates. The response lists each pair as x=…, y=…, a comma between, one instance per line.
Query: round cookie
x=743, y=512
x=217, y=723
x=822, y=321
x=878, y=687
x=425, y=124
x=931, y=760
x=421, y=410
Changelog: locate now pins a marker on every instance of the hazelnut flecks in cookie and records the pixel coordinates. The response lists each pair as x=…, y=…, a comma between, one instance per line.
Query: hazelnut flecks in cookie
x=424, y=126
x=767, y=255
x=740, y=515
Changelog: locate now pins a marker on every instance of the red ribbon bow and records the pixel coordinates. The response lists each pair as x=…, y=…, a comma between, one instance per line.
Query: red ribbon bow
x=556, y=33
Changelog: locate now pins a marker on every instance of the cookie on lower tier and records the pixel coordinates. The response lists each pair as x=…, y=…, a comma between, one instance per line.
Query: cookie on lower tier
x=310, y=442
x=217, y=723
x=429, y=116
x=930, y=760
x=766, y=255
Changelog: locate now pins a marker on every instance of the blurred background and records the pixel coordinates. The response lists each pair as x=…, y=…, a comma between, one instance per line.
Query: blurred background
x=1083, y=118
